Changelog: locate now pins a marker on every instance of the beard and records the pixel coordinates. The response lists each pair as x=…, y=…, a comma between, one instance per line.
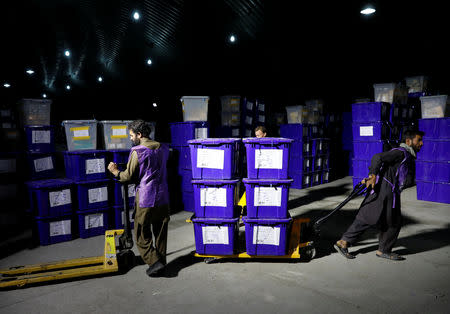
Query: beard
x=135, y=142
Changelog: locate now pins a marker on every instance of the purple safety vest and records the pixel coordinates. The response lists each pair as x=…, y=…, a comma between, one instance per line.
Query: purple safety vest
x=153, y=189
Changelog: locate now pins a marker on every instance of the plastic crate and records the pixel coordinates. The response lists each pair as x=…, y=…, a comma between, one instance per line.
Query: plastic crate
x=370, y=131
x=40, y=138
x=267, y=158
x=93, y=194
x=85, y=165
x=433, y=106
x=296, y=114
x=81, y=134
x=214, y=158
x=231, y=103
x=435, y=128
x=188, y=200
x=416, y=84
x=34, y=111
x=357, y=180
x=433, y=191
x=186, y=181
x=182, y=155
x=216, y=236
x=433, y=171
x=195, y=108
x=93, y=222
x=435, y=150
x=119, y=156
x=50, y=197
x=370, y=112
x=215, y=198
x=304, y=164
x=266, y=237
x=297, y=180
x=321, y=162
x=267, y=198
x=296, y=131
x=9, y=166
x=390, y=93
x=53, y=230
x=181, y=132
x=115, y=134
x=41, y=165
x=320, y=146
x=118, y=196
x=366, y=149
x=325, y=176
x=316, y=178
x=360, y=167
x=119, y=217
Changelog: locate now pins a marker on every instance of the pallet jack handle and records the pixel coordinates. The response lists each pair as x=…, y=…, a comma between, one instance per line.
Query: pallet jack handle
x=126, y=239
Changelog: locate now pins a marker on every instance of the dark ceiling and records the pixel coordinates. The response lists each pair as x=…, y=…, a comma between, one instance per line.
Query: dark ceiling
x=285, y=50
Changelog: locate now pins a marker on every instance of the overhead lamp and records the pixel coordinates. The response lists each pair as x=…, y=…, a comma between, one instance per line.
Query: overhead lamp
x=368, y=11
x=136, y=15
x=155, y=105
x=68, y=87
x=6, y=85
x=29, y=71
x=100, y=79
x=67, y=53
x=232, y=39
x=44, y=95
x=149, y=61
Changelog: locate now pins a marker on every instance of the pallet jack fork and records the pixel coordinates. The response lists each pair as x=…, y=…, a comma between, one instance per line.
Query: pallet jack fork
x=117, y=257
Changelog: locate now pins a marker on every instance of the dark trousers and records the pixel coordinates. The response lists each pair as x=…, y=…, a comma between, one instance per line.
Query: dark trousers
x=152, y=223
x=386, y=239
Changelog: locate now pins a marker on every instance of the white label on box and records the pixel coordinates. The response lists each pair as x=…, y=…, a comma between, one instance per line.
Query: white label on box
x=43, y=164
x=201, y=133
x=123, y=217
x=268, y=159
x=248, y=120
x=93, y=221
x=215, y=235
x=95, y=165
x=119, y=131
x=213, y=197
x=319, y=162
x=307, y=148
x=58, y=228
x=40, y=137
x=249, y=105
x=59, y=198
x=317, y=178
x=98, y=195
x=235, y=132
x=433, y=112
x=307, y=162
x=267, y=196
x=210, y=158
x=366, y=131
x=266, y=235
x=80, y=133
x=131, y=190
x=320, y=145
x=248, y=133
x=5, y=113
x=326, y=176
x=307, y=180
x=7, y=165
x=262, y=119
x=261, y=107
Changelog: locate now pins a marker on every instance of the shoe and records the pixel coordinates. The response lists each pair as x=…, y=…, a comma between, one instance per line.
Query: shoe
x=155, y=269
x=344, y=252
x=391, y=256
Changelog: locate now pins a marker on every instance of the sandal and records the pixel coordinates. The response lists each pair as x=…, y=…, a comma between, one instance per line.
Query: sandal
x=391, y=256
x=344, y=252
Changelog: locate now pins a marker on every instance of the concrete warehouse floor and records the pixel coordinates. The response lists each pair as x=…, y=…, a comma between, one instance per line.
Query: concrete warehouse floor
x=327, y=284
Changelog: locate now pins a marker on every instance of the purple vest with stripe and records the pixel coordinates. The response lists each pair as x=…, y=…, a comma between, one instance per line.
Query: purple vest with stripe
x=153, y=189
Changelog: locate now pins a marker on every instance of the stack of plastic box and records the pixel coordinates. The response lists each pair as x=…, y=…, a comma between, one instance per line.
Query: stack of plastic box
x=86, y=166
x=371, y=134
x=347, y=145
x=267, y=192
x=180, y=182
x=214, y=170
x=433, y=161
x=231, y=117
x=253, y=115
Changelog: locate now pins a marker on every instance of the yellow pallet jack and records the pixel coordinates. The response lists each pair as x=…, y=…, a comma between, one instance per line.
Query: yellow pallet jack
x=117, y=257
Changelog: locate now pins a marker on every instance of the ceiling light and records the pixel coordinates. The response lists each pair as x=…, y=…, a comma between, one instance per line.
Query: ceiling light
x=44, y=95
x=136, y=15
x=232, y=38
x=149, y=61
x=68, y=87
x=100, y=79
x=6, y=85
x=67, y=53
x=155, y=105
x=368, y=11
x=30, y=71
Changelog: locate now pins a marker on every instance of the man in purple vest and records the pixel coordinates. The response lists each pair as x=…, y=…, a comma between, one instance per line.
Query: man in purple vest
x=147, y=169
x=390, y=172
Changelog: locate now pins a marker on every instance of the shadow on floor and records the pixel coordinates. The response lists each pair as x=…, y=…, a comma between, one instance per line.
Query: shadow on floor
x=175, y=266
x=320, y=194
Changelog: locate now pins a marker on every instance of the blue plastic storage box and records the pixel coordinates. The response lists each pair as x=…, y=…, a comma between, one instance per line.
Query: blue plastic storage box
x=371, y=131
x=86, y=164
x=53, y=230
x=370, y=112
x=183, y=157
x=182, y=132
x=119, y=217
x=40, y=138
x=10, y=165
x=438, y=128
x=93, y=194
x=215, y=198
x=216, y=236
x=120, y=157
x=435, y=171
x=321, y=162
x=325, y=176
x=297, y=178
x=316, y=178
x=320, y=146
x=296, y=131
x=93, y=222
x=117, y=191
x=267, y=158
x=435, y=150
x=360, y=167
x=267, y=198
x=215, y=158
x=357, y=180
x=433, y=191
x=52, y=197
x=187, y=198
x=266, y=237
x=366, y=150
x=41, y=165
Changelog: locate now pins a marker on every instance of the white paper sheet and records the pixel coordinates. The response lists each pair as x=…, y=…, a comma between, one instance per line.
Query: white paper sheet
x=267, y=235
x=215, y=235
x=58, y=228
x=81, y=133
x=93, y=221
x=59, y=198
x=95, y=165
x=366, y=131
x=213, y=197
x=40, y=137
x=210, y=158
x=98, y=195
x=268, y=158
x=119, y=131
x=43, y=164
x=267, y=196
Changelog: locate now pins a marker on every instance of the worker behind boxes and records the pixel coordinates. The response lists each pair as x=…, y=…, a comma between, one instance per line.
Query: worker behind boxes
x=147, y=169
x=390, y=172
x=260, y=131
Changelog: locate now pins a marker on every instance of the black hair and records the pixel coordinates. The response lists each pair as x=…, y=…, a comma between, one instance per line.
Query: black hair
x=411, y=134
x=261, y=128
x=140, y=126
